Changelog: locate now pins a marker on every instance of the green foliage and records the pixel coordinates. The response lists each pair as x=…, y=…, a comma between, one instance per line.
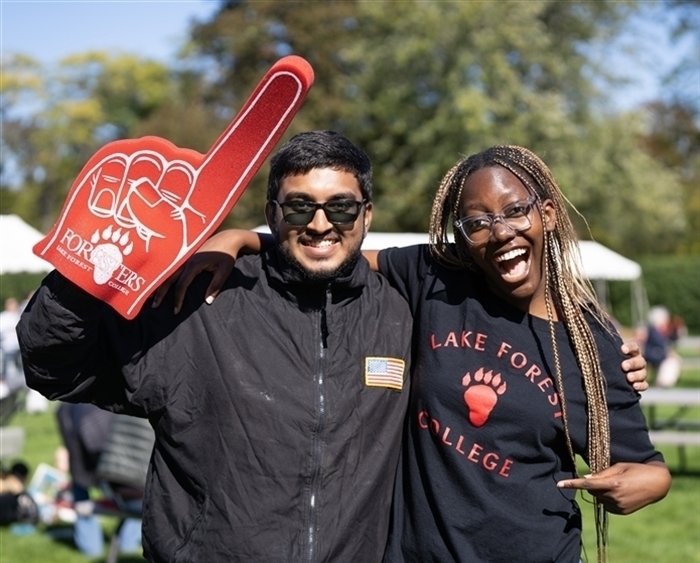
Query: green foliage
x=619, y=304
x=618, y=187
x=673, y=138
x=7, y=200
x=418, y=94
x=87, y=101
x=19, y=285
x=674, y=281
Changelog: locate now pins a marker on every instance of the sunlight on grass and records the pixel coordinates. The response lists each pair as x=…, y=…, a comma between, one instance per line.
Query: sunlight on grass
x=665, y=532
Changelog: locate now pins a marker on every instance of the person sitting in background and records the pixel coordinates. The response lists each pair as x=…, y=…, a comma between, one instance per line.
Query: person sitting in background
x=15, y=504
x=85, y=429
x=676, y=330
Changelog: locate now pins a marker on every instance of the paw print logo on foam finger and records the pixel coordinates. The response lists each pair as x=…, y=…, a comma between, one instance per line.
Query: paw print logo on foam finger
x=481, y=396
x=108, y=254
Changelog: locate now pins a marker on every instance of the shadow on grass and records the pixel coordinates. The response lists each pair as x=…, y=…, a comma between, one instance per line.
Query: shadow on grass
x=62, y=534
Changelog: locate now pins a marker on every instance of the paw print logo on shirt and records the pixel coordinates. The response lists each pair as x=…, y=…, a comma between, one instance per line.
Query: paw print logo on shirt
x=483, y=390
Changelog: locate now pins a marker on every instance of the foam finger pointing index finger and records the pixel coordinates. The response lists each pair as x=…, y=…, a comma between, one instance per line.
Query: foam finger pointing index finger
x=241, y=149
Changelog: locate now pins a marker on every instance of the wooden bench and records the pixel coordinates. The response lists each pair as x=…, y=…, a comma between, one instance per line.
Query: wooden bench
x=673, y=429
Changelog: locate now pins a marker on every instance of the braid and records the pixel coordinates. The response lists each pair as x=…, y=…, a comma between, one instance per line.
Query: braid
x=445, y=206
x=573, y=295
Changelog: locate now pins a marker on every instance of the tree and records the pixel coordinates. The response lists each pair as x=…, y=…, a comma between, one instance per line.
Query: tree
x=672, y=136
x=89, y=100
x=244, y=39
x=420, y=84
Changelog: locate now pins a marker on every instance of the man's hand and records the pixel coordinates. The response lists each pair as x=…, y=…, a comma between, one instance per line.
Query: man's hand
x=624, y=488
x=635, y=366
x=139, y=208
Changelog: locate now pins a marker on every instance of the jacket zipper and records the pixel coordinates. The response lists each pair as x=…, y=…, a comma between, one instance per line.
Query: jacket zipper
x=321, y=410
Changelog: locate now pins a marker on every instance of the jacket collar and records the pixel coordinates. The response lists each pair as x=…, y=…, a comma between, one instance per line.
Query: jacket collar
x=286, y=280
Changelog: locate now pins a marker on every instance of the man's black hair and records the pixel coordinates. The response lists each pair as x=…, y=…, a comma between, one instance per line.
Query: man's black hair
x=319, y=149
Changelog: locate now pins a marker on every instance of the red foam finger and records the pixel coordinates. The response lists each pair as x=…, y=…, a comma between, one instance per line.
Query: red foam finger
x=139, y=208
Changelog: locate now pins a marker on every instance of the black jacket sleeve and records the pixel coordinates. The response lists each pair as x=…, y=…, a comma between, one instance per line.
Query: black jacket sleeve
x=77, y=349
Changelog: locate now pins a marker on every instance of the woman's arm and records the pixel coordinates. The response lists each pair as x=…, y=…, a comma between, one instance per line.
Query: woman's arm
x=217, y=255
x=624, y=488
x=373, y=259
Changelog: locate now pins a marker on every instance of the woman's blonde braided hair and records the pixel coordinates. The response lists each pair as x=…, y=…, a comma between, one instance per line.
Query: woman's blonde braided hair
x=567, y=289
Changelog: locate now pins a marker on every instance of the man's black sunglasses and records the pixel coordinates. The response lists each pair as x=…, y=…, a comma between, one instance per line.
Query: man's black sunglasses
x=338, y=211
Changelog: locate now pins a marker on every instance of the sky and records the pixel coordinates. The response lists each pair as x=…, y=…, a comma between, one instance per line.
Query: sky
x=49, y=30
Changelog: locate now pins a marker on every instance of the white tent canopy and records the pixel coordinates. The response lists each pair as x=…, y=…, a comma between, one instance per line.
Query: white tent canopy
x=601, y=263
x=17, y=239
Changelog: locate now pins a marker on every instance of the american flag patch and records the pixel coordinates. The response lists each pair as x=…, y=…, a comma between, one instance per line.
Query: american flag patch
x=384, y=372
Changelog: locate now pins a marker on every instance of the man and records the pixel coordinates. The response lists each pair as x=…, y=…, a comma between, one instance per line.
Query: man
x=278, y=411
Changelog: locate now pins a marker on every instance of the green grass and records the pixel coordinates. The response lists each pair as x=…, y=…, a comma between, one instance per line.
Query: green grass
x=666, y=532
x=689, y=379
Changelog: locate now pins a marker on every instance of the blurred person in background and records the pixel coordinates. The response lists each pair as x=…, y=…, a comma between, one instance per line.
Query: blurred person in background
x=85, y=429
x=658, y=347
x=11, y=376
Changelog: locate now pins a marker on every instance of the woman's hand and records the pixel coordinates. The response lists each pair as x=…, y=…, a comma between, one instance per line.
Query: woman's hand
x=635, y=366
x=217, y=255
x=624, y=488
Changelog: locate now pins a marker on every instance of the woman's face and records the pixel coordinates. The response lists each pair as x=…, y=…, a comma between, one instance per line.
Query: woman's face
x=511, y=260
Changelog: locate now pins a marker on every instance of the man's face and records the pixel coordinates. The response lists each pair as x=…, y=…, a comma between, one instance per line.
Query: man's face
x=320, y=250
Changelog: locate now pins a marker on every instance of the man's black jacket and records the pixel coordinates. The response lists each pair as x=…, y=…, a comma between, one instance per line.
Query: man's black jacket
x=271, y=446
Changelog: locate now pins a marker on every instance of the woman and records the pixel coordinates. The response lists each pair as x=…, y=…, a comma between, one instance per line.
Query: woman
x=516, y=371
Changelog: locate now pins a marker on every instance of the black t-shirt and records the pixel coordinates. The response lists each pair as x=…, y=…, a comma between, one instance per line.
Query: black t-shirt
x=485, y=445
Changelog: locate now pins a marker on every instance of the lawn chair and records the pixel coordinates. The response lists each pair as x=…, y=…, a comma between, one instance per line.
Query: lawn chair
x=122, y=471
